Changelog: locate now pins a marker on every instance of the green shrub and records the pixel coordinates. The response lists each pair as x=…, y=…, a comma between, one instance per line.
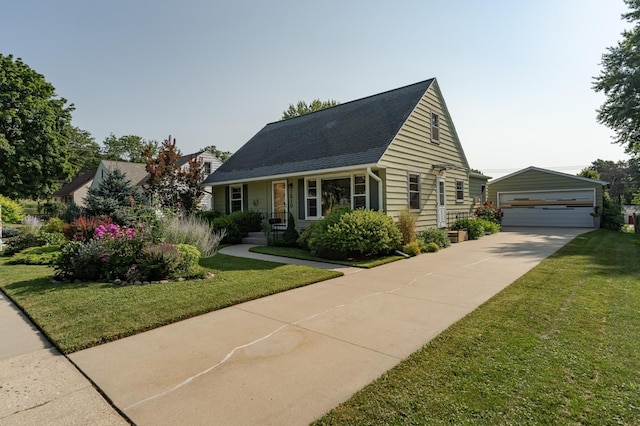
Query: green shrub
x=303, y=239
x=209, y=215
x=45, y=255
x=12, y=212
x=190, y=258
x=24, y=241
x=157, y=262
x=247, y=221
x=80, y=260
x=612, y=217
x=290, y=236
x=407, y=226
x=72, y=212
x=434, y=235
x=474, y=228
x=432, y=247
x=355, y=233
x=54, y=224
x=489, y=226
x=9, y=232
x=53, y=208
x=489, y=211
x=232, y=232
x=412, y=249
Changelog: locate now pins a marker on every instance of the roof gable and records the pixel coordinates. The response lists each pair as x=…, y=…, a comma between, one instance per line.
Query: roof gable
x=350, y=134
x=75, y=184
x=553, y=172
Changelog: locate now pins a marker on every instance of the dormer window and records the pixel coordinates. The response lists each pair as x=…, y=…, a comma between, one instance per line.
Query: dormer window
x=435, y=128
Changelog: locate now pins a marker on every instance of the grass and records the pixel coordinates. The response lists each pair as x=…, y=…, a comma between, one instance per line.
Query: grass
x=297, y=253
x=559, y=346
x=78, y=316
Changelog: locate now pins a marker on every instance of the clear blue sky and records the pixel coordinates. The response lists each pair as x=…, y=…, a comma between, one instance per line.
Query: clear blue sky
x=516, y=75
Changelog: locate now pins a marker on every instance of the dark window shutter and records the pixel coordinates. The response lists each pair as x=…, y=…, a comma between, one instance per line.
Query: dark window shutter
x=301, y=206
x=227, y=201
x=245, y=197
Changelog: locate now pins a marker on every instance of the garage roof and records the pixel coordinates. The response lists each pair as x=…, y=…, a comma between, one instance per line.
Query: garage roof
x=550, y=172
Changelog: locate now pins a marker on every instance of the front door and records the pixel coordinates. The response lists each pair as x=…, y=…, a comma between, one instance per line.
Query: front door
x=441, y=209
x=279, y=203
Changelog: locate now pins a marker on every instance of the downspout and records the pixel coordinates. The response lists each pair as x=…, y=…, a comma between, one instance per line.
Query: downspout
x=377, y=178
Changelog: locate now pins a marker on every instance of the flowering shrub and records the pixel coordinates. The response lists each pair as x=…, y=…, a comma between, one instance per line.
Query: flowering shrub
x=489, y=211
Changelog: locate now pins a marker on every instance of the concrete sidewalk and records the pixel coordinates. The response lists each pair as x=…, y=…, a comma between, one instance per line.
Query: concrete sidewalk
x=38, y=385
x=242, y=250
x=288, y=358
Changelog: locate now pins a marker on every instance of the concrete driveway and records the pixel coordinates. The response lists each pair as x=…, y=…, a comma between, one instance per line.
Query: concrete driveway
x=288, y=358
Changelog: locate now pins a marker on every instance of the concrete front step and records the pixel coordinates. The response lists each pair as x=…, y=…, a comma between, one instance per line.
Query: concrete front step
x=255, y=238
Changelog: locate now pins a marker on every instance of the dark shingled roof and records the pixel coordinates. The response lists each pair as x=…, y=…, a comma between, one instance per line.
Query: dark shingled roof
x=350, y=134
x=75, y=184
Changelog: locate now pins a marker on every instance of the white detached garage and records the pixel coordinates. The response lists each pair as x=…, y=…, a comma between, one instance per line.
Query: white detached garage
x=541, y=197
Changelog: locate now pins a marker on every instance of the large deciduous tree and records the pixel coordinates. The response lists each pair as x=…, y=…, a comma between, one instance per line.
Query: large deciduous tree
x=34, y=131
x=302, y=107
x=170, y=185
x=619, y=80
x=85, y=151
x=128, y=148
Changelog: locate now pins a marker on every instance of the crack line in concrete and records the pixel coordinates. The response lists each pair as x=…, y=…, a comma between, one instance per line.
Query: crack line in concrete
x=265, y=337
x=482, y=261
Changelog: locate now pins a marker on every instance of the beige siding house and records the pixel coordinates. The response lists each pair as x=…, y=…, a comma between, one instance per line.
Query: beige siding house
x=393, y=151
x=541, y=197
x=76, y=190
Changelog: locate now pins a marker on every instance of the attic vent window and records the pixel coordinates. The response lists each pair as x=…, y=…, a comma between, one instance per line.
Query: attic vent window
x=435, y=128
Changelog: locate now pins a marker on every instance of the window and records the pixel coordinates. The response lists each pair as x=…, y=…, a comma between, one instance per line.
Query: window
x=324, y=194
x=414, y=191
x=483, y=193
x=235, y=198
x=206, y=168
x=335, y=193
x=435, y=127
x=459, y=191
x=312, y=198
x=359, y=192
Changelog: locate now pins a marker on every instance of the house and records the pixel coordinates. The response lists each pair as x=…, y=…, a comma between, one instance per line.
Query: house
x=628, y=211
x=392, y=151
x=541, y=197
x=137, y=173
x=76, y=190
x=210, y=163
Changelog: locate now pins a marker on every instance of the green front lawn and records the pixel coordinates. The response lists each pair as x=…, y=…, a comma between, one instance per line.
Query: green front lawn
x=559, y=346
x=297, y=253
x=78, y=316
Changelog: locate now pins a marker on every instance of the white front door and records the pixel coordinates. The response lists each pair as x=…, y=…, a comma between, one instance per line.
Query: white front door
x=279, y=202
x=441, y=209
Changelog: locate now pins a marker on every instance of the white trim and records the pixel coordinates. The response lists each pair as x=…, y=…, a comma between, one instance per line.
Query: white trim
x=231, y=199
x=432, y=113
x=409, y=192
x=319, y=178
x=300, y=174
x=459, y=200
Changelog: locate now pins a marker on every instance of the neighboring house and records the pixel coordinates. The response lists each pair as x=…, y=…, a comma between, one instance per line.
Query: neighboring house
x=392, y=151
x=210, y=163
x=136, y=173
x=540, y=197
x=76, y=190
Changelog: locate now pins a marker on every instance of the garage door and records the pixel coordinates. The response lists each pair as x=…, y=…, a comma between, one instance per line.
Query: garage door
x=571, y=208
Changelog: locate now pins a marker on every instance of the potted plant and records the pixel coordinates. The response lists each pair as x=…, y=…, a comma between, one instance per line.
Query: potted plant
x=595, y=214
